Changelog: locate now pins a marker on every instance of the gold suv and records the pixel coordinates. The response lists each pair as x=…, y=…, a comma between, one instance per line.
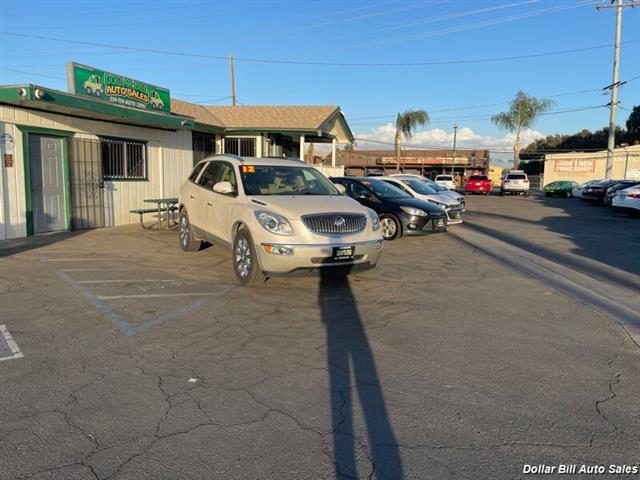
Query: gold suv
x=277, y=216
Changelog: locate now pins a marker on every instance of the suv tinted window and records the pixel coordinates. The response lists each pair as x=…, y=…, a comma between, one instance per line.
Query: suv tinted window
x=516, y=176
x=217, y=172
x=196, y=171
x=478, y=177
x=285, y=180
x=445, y=178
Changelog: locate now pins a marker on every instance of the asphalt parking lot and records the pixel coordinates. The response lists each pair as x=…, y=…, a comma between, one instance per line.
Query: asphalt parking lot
x=130, y=359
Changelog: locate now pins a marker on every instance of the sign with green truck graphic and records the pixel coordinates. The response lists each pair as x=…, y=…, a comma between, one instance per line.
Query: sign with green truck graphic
x=84, y=80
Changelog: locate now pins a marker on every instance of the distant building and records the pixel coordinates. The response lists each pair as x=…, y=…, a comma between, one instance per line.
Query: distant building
x=584, y=166
x=424, y=162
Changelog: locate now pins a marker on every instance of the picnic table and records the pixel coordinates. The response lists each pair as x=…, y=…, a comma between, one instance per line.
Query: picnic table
x=164, y=208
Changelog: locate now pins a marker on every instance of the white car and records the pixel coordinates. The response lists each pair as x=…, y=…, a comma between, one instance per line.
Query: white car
x=516, y=181
x=627, y=200
x=446, y=181
x=437, y=187
x=421, y=190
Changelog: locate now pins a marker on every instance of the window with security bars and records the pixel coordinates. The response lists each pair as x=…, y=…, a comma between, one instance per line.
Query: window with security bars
x=245, y=147
x=123, y=159
x=204, y=145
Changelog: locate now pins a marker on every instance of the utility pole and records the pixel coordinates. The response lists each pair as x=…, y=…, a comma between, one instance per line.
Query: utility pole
x=233, y=80
x=453, y=160
x=615, y=84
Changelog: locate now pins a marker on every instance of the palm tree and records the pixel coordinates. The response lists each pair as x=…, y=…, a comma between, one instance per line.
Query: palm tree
x=406, y=123
x=523, y=113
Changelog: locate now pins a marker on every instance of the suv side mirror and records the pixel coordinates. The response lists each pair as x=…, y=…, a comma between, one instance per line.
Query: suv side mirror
x=340, y=188
x=225, y=188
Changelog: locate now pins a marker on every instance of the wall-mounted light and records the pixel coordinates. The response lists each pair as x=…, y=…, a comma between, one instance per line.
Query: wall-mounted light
x=22, y=92
x=39, y=93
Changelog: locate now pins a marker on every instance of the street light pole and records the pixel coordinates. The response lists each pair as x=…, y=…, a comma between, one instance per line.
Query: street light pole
x=453, y=159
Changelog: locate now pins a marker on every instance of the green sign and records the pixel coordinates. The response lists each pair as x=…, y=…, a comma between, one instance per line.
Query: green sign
x=117, y=89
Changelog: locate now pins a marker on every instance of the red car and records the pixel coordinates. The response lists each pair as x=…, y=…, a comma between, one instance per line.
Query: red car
x=478, y=184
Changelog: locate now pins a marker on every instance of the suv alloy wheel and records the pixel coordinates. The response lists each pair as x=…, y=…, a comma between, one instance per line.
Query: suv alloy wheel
x=245, y=260
x=188, y=242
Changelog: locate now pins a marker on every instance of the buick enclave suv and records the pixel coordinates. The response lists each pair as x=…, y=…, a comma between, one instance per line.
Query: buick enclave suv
x=277, y=216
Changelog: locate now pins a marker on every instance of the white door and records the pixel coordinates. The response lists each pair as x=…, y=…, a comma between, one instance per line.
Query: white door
x=47, y=183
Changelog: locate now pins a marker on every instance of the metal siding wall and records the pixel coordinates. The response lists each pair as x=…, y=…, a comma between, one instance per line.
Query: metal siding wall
x=12, y=193
x=120, y=197
x=178, y=161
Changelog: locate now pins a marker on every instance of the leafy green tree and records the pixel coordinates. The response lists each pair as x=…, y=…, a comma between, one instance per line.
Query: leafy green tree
x=523, y=113
x=406, y=123
x=633, y=126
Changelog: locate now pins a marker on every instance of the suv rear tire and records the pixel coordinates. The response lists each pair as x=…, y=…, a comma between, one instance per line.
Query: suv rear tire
x=188, y=241
x=245, y=260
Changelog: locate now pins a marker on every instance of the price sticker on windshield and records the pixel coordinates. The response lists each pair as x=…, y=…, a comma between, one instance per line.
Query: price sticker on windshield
x=248, y=169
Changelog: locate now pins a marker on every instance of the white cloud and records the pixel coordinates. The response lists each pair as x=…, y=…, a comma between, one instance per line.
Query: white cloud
x=439, y=138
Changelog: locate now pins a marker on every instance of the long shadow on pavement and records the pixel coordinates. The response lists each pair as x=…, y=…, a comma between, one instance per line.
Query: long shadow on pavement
x=349, y=357
x=605, y=239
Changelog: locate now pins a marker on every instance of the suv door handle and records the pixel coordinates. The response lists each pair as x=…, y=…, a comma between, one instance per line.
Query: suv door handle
x=209, y=204
x=192, y=197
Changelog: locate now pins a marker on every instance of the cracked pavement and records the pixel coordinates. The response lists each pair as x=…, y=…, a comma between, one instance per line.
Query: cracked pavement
x=440, y=363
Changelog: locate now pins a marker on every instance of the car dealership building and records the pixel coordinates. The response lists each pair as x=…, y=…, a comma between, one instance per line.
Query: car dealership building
x=85, y=158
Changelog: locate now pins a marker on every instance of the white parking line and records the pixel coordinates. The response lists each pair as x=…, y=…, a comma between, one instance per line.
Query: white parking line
x=13, y=346
x=156, y=295
x=129, y=281
x=78, y=259
x=96, y=269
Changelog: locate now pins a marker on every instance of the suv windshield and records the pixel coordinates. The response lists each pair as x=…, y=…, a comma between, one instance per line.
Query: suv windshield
x=384, y=190
x=478, y=177
x=285, y=180
x=516, y=176
x=420, y=187
x=445, y=178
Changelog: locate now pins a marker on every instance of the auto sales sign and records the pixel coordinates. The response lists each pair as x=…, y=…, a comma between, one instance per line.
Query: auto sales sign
x=114, y=88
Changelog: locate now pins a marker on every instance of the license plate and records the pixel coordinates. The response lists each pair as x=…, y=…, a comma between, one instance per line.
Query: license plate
x=343, y=253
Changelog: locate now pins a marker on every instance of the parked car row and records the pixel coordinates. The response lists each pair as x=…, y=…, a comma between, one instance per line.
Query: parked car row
x=620, y=195
x=513, y=182
x=282, y=216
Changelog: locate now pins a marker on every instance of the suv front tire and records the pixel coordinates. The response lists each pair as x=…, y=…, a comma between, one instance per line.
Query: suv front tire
x=188, y=241
x=245, y=259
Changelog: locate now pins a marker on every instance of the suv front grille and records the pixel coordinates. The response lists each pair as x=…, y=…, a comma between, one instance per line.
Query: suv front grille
x=335, y=223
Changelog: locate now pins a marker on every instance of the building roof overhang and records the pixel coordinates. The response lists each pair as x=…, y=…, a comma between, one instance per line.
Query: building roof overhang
x=47, y=99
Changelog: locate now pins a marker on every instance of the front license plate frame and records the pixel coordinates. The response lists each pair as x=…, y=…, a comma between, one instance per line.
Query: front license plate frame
x=342, y=254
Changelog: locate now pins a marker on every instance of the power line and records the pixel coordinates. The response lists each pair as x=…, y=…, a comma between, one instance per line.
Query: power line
x=484, y=117
x=313, y=63
x=471, y=107
x=63, y=78
x=485, y=23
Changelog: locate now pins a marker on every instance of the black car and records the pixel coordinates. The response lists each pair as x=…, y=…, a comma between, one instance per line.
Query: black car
x=612, y=191
x=596, y=191
x=400, y=214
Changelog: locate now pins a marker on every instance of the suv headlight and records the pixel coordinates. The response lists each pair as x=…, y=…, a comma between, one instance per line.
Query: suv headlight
x=416, y=212
x=375, y=221
x=274, y=223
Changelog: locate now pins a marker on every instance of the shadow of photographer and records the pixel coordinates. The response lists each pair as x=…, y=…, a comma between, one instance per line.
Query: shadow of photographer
x=352, y=369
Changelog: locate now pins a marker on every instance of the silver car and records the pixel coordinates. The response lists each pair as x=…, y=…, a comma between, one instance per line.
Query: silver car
x=277, y=216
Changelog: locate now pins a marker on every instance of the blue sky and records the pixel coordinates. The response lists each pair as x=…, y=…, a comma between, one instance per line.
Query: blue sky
x=356, y=31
